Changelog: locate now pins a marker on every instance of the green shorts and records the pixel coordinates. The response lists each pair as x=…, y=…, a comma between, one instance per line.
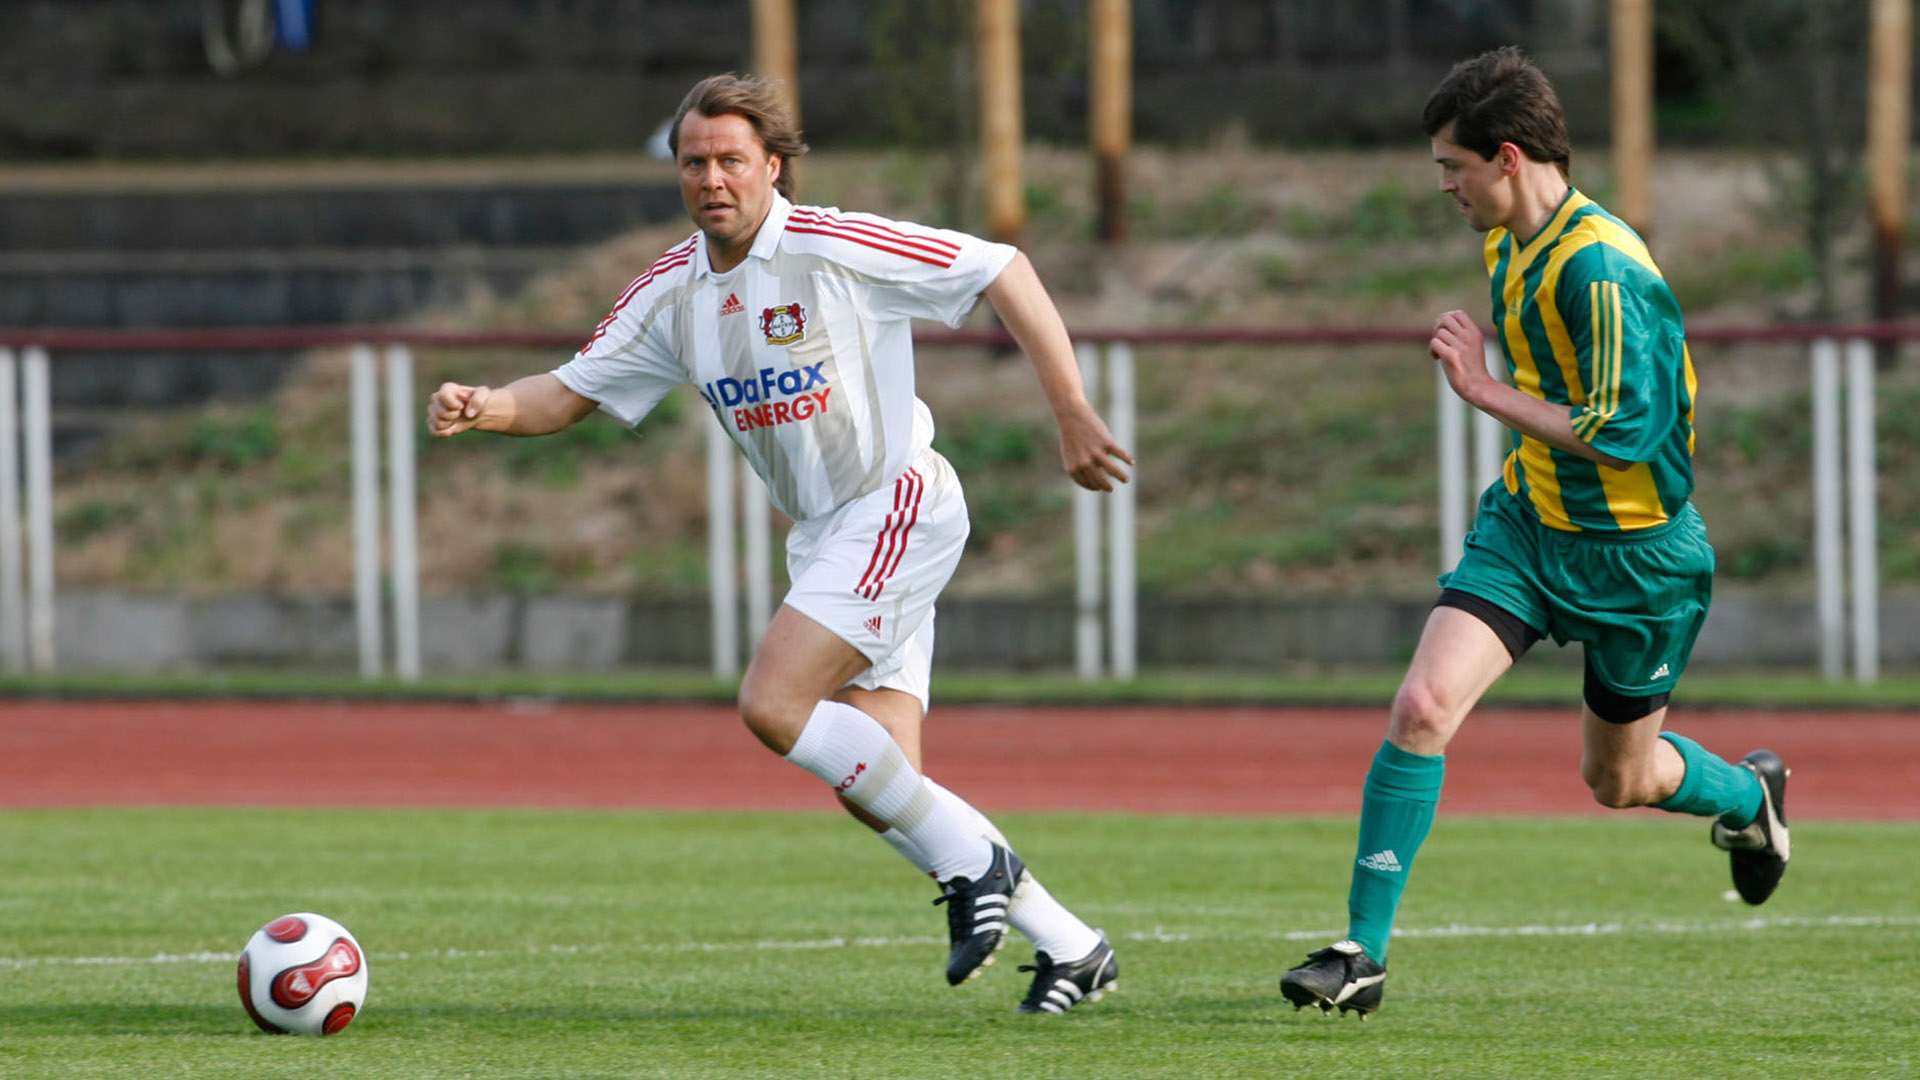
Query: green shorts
x=1636, y=601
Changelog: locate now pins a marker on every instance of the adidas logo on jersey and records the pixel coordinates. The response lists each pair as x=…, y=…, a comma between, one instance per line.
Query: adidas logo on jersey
x=1384, y=861
x=873, y=626
x=733, y=306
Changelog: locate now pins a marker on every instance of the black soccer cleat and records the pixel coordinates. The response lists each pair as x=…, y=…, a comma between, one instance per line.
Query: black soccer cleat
x=977, y=914
x=1760, y=851
x=1059, y=987
x=1341, y=976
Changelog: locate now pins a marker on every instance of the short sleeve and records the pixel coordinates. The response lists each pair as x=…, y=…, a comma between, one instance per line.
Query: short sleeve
x=910, y=271
x=624, y=375
x=1630, y=358
x=627, y=367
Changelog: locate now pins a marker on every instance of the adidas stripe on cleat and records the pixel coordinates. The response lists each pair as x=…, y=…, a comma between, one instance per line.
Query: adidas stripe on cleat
x=1760, y=850
x=977, y=914
x=1059, y=987
x=1340, y=976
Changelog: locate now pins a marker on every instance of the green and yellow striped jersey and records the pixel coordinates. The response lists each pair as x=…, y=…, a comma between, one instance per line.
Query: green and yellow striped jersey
x=1586, y=320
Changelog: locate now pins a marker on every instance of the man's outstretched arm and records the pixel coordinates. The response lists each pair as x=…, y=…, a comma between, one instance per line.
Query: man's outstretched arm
x=533, y=405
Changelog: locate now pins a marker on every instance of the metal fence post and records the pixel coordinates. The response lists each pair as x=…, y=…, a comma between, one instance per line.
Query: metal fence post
x=36, y=394
x=1862, y=518
x=13, y=640
x=1453, y=471
x=723, y=594
x=1122, y=608
x=1086, y=545
x=402, y=423
x=365, y=433
x=1828, y=574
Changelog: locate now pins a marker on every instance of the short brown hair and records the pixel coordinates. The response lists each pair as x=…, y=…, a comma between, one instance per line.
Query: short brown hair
x=758, y=101
x=1501, y=97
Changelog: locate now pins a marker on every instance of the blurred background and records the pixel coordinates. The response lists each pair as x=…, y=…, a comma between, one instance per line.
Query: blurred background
x=329, y=201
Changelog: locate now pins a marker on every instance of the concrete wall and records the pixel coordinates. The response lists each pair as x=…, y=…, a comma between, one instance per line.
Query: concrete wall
x=131, y=78
x=127, y=632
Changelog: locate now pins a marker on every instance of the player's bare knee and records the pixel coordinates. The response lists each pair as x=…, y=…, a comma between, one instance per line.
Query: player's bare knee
x=1421, y=718
x=770, y=716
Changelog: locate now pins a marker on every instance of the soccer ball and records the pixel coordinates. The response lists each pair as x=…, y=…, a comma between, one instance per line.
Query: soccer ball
x=302, y=974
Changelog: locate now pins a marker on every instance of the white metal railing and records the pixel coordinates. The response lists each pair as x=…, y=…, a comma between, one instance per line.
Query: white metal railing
x=403, y=420
x=1105, y=619
x=13, y=636
x=26, y=430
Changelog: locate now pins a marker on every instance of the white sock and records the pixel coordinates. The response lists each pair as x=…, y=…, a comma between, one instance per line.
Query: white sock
x=857, y=758
x=898, y=841
x=1034, y=912
x=1055, y=931
x=965, y=809
x=975, y=818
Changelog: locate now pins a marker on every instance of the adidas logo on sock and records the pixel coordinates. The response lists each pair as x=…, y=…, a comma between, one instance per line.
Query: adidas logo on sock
x=1385, y=861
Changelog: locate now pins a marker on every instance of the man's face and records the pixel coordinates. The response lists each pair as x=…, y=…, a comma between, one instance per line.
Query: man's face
x=726, y=176
x=1481, y=188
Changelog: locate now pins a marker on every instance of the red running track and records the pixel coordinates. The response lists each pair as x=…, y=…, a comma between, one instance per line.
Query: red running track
x=1147, y=759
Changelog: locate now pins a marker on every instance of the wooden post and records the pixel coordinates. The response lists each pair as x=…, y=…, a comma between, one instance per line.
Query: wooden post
x=1001, y=133
x=1631, y=46
x=776, y=48
x=1889, y=134
x=1112, y=62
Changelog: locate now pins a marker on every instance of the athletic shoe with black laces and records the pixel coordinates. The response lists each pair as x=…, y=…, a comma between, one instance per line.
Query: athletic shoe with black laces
x=1341, y=975
x=977, y=914
x=1760, y=851
x=1058, y=987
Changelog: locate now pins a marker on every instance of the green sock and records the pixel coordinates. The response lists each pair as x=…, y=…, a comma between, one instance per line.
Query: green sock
x=1712, y=787
x=1396, y=810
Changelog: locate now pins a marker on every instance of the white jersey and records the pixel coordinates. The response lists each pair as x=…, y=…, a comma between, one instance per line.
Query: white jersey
x=804, y=351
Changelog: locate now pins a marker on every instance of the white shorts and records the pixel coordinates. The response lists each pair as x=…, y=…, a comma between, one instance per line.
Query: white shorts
x=871, y=570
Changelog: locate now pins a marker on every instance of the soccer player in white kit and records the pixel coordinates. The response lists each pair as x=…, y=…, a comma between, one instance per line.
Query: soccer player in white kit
x=794, y=324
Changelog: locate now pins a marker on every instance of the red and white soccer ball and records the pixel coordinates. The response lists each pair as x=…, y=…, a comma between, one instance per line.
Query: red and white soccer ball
x=303, y=974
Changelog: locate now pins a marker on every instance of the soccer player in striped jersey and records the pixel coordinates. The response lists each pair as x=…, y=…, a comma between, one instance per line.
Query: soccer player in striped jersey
x=794, y=322
x=1588, y=536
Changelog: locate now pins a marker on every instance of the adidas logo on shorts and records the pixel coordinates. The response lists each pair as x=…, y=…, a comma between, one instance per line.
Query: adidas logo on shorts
x=873, y=626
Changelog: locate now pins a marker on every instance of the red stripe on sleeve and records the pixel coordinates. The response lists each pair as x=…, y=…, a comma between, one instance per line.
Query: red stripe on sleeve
x=941, y=263
x=929, y=244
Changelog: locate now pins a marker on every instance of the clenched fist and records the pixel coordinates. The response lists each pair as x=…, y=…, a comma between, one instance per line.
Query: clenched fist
x=455, y=408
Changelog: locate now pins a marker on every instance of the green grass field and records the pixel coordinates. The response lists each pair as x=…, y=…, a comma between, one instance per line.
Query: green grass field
x=577, y=944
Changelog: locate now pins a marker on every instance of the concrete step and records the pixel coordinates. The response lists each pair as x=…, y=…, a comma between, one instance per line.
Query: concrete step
x=495, y=214
x=254, y=287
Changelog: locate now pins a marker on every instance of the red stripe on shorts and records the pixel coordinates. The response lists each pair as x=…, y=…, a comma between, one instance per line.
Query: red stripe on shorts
x=879, y=542
x=920, y=486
